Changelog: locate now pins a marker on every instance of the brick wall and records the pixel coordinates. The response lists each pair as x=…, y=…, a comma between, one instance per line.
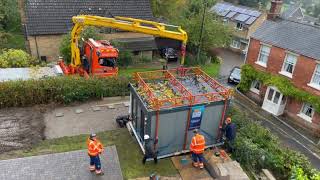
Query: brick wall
x=303, y=71
x=293, y=108
x=48, y=45
x=302, y=75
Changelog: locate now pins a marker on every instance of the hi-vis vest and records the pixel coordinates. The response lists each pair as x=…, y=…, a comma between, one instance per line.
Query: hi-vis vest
x=94, y=147
x=198, y=144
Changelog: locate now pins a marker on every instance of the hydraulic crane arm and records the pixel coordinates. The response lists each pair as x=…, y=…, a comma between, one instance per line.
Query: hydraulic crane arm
x=126, y=24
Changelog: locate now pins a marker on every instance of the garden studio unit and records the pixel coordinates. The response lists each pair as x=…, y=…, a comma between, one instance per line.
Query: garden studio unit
x=168, y=104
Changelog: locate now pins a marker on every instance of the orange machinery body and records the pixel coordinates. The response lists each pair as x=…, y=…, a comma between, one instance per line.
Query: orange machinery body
x=99, y=58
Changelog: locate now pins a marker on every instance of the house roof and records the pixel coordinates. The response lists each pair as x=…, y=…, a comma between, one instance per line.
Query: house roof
x=238, y=13
x=295, y=13
x=45, y=17
x=297, y=37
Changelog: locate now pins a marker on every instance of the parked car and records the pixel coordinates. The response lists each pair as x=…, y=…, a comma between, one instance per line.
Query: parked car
x=235, y=75
x=169, y=54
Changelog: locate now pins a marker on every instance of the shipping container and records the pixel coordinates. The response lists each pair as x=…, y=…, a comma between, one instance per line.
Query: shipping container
x=168, y=105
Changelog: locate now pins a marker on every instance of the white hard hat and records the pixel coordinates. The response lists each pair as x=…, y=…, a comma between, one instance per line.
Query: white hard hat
x=146, y=137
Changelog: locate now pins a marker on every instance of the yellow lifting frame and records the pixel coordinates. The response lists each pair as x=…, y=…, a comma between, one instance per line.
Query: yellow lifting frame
x=126, y=24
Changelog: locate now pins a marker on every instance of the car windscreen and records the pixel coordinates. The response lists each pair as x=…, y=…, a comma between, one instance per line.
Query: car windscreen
x=236, y=72
x=108, y=62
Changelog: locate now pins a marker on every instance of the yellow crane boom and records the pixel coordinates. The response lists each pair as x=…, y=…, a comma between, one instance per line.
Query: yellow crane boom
x=126, y=24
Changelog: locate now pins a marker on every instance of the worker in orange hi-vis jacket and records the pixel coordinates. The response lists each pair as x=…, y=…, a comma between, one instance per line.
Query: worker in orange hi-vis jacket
x=95, y=148
x=197, y=147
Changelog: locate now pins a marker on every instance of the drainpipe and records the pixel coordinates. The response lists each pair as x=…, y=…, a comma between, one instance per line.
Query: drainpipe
x=35, y=39
x=245, y=58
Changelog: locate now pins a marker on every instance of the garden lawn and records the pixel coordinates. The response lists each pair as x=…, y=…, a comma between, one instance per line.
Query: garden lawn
x=212, y=69
x=129, y=152
x=128, y=72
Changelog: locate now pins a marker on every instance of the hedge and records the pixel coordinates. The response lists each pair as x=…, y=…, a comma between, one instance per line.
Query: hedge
x=257, y=148
x=60, y=90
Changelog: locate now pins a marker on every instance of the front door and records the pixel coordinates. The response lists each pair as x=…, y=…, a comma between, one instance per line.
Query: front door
x=274, y=101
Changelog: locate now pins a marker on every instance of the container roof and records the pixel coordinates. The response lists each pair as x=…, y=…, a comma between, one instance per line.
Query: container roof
x=165, y=89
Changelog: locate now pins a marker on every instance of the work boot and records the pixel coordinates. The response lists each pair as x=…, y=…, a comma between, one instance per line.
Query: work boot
x=100, y=174
x=92, y=168
x=201, y=165
x=195, y=164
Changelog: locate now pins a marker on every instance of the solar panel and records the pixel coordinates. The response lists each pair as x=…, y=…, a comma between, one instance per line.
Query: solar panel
x=224, y=13
x=242, y=17
x=231, y=14
x=251, y=20
x=256, y=13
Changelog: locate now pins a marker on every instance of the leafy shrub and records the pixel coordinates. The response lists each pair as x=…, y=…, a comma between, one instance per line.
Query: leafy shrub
x=125, y=58
x=60, y=90
x=145, y=59
x=257, y=148
x=16, y=58
x=191, y=60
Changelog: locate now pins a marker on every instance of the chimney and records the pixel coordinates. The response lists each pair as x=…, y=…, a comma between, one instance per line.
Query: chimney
x=275, y=10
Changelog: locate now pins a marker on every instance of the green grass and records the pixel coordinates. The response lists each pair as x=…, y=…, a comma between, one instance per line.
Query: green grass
x=128, y=150
x=212, y=69
x=130, y=70
x=16, y=41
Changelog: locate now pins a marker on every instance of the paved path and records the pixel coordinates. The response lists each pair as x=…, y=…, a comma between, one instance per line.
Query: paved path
x=62, y=166
x=85, y=122
x=286, y=134
x=230, y=60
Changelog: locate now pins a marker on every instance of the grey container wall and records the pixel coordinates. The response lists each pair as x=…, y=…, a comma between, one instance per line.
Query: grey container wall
x=173, y=124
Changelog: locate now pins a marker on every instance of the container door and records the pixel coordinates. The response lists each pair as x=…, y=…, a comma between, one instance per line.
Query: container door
x=142, y=124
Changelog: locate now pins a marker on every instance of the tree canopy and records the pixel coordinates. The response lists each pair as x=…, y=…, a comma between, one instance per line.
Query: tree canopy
x=188, y=14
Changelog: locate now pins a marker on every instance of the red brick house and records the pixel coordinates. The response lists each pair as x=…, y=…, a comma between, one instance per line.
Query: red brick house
x=290, y=49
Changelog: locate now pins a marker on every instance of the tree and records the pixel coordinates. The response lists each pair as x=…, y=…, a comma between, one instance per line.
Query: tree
x=190, y=16
x=254, y=3
x=65, y=45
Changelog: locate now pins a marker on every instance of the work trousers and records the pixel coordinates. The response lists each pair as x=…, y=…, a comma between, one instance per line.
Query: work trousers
x=197, y=157
x=230, y=145
x=95, y=161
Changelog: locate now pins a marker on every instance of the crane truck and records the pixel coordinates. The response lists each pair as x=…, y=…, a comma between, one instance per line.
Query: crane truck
x=99, y=58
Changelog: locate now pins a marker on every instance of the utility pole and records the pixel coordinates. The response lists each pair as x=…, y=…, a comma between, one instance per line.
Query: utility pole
x=202, y=27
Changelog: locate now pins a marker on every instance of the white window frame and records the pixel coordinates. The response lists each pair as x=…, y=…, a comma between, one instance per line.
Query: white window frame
x=261, y=63
x=253, y=87
x=316, y=72
x=240, y=26
x=235, y=47
x=303, y=115
x=225, y=21
x=283, y=71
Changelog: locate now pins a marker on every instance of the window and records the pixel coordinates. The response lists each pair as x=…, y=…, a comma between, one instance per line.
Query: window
x=239, y=26
x=264, y=55
x=225, y=21
x=315, y=81
x=235, y=44
x=307, y=112
x=288, y=65
x=255, y=87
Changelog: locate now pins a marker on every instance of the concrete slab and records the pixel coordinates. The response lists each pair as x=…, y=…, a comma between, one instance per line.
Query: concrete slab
x=59, y=114
x=95, y=108
x=111, y=106
x=126, y=104
x=187, y=171
x=79, y=111
x=70, y=165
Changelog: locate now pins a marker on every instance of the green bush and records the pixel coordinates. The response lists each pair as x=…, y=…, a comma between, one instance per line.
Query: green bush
x=59, y=90
x=16, y=58
x=191, y=60
x=125, y=58
x=145, y=59
x=257, y=148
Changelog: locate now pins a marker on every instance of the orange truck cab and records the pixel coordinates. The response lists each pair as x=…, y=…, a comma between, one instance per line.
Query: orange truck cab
x=100, y=58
